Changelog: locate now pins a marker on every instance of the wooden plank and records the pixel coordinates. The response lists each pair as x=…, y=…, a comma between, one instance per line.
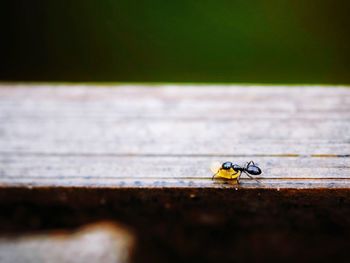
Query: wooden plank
x=167, y=136
x=151, y=171
x=129, y=120
x=192, y=137
x=70, y=155
x=175, y=102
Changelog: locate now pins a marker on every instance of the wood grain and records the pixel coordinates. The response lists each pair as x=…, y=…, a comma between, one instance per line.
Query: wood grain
x=167, y=136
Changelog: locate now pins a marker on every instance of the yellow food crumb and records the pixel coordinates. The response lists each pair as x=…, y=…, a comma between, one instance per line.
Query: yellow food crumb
x=228, y=174
x=221, y=173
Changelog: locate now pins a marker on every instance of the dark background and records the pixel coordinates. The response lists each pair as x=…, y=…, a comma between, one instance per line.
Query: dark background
x=272, y=41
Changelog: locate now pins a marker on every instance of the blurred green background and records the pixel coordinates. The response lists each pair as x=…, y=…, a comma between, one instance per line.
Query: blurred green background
x=272, y=41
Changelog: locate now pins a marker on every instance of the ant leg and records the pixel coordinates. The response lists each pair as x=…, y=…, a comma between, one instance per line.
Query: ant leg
x=252, y=177
x=239, y=177
x=215, y=174
x=235, y=173
x=251, y=162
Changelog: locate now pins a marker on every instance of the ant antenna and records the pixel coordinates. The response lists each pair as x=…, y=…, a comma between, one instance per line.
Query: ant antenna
x=215, y=175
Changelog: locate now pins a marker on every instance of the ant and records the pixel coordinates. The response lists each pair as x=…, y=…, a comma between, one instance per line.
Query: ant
x=231, y=171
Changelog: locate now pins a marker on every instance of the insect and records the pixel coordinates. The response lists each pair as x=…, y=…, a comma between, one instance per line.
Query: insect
x=231, y=171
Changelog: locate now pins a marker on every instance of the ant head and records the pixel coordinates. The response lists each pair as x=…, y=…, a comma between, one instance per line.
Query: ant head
x=226, y=166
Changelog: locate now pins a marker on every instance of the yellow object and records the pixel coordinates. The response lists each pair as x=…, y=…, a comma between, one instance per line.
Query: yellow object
x=226, y=174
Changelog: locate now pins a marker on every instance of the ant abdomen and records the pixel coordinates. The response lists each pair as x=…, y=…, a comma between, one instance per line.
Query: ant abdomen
x=253, y=170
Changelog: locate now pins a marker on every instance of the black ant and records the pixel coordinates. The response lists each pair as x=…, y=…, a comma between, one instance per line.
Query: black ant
x=231, y=171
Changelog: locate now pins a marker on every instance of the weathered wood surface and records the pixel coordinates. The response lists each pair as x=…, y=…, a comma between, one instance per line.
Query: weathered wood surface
x=167, y=136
